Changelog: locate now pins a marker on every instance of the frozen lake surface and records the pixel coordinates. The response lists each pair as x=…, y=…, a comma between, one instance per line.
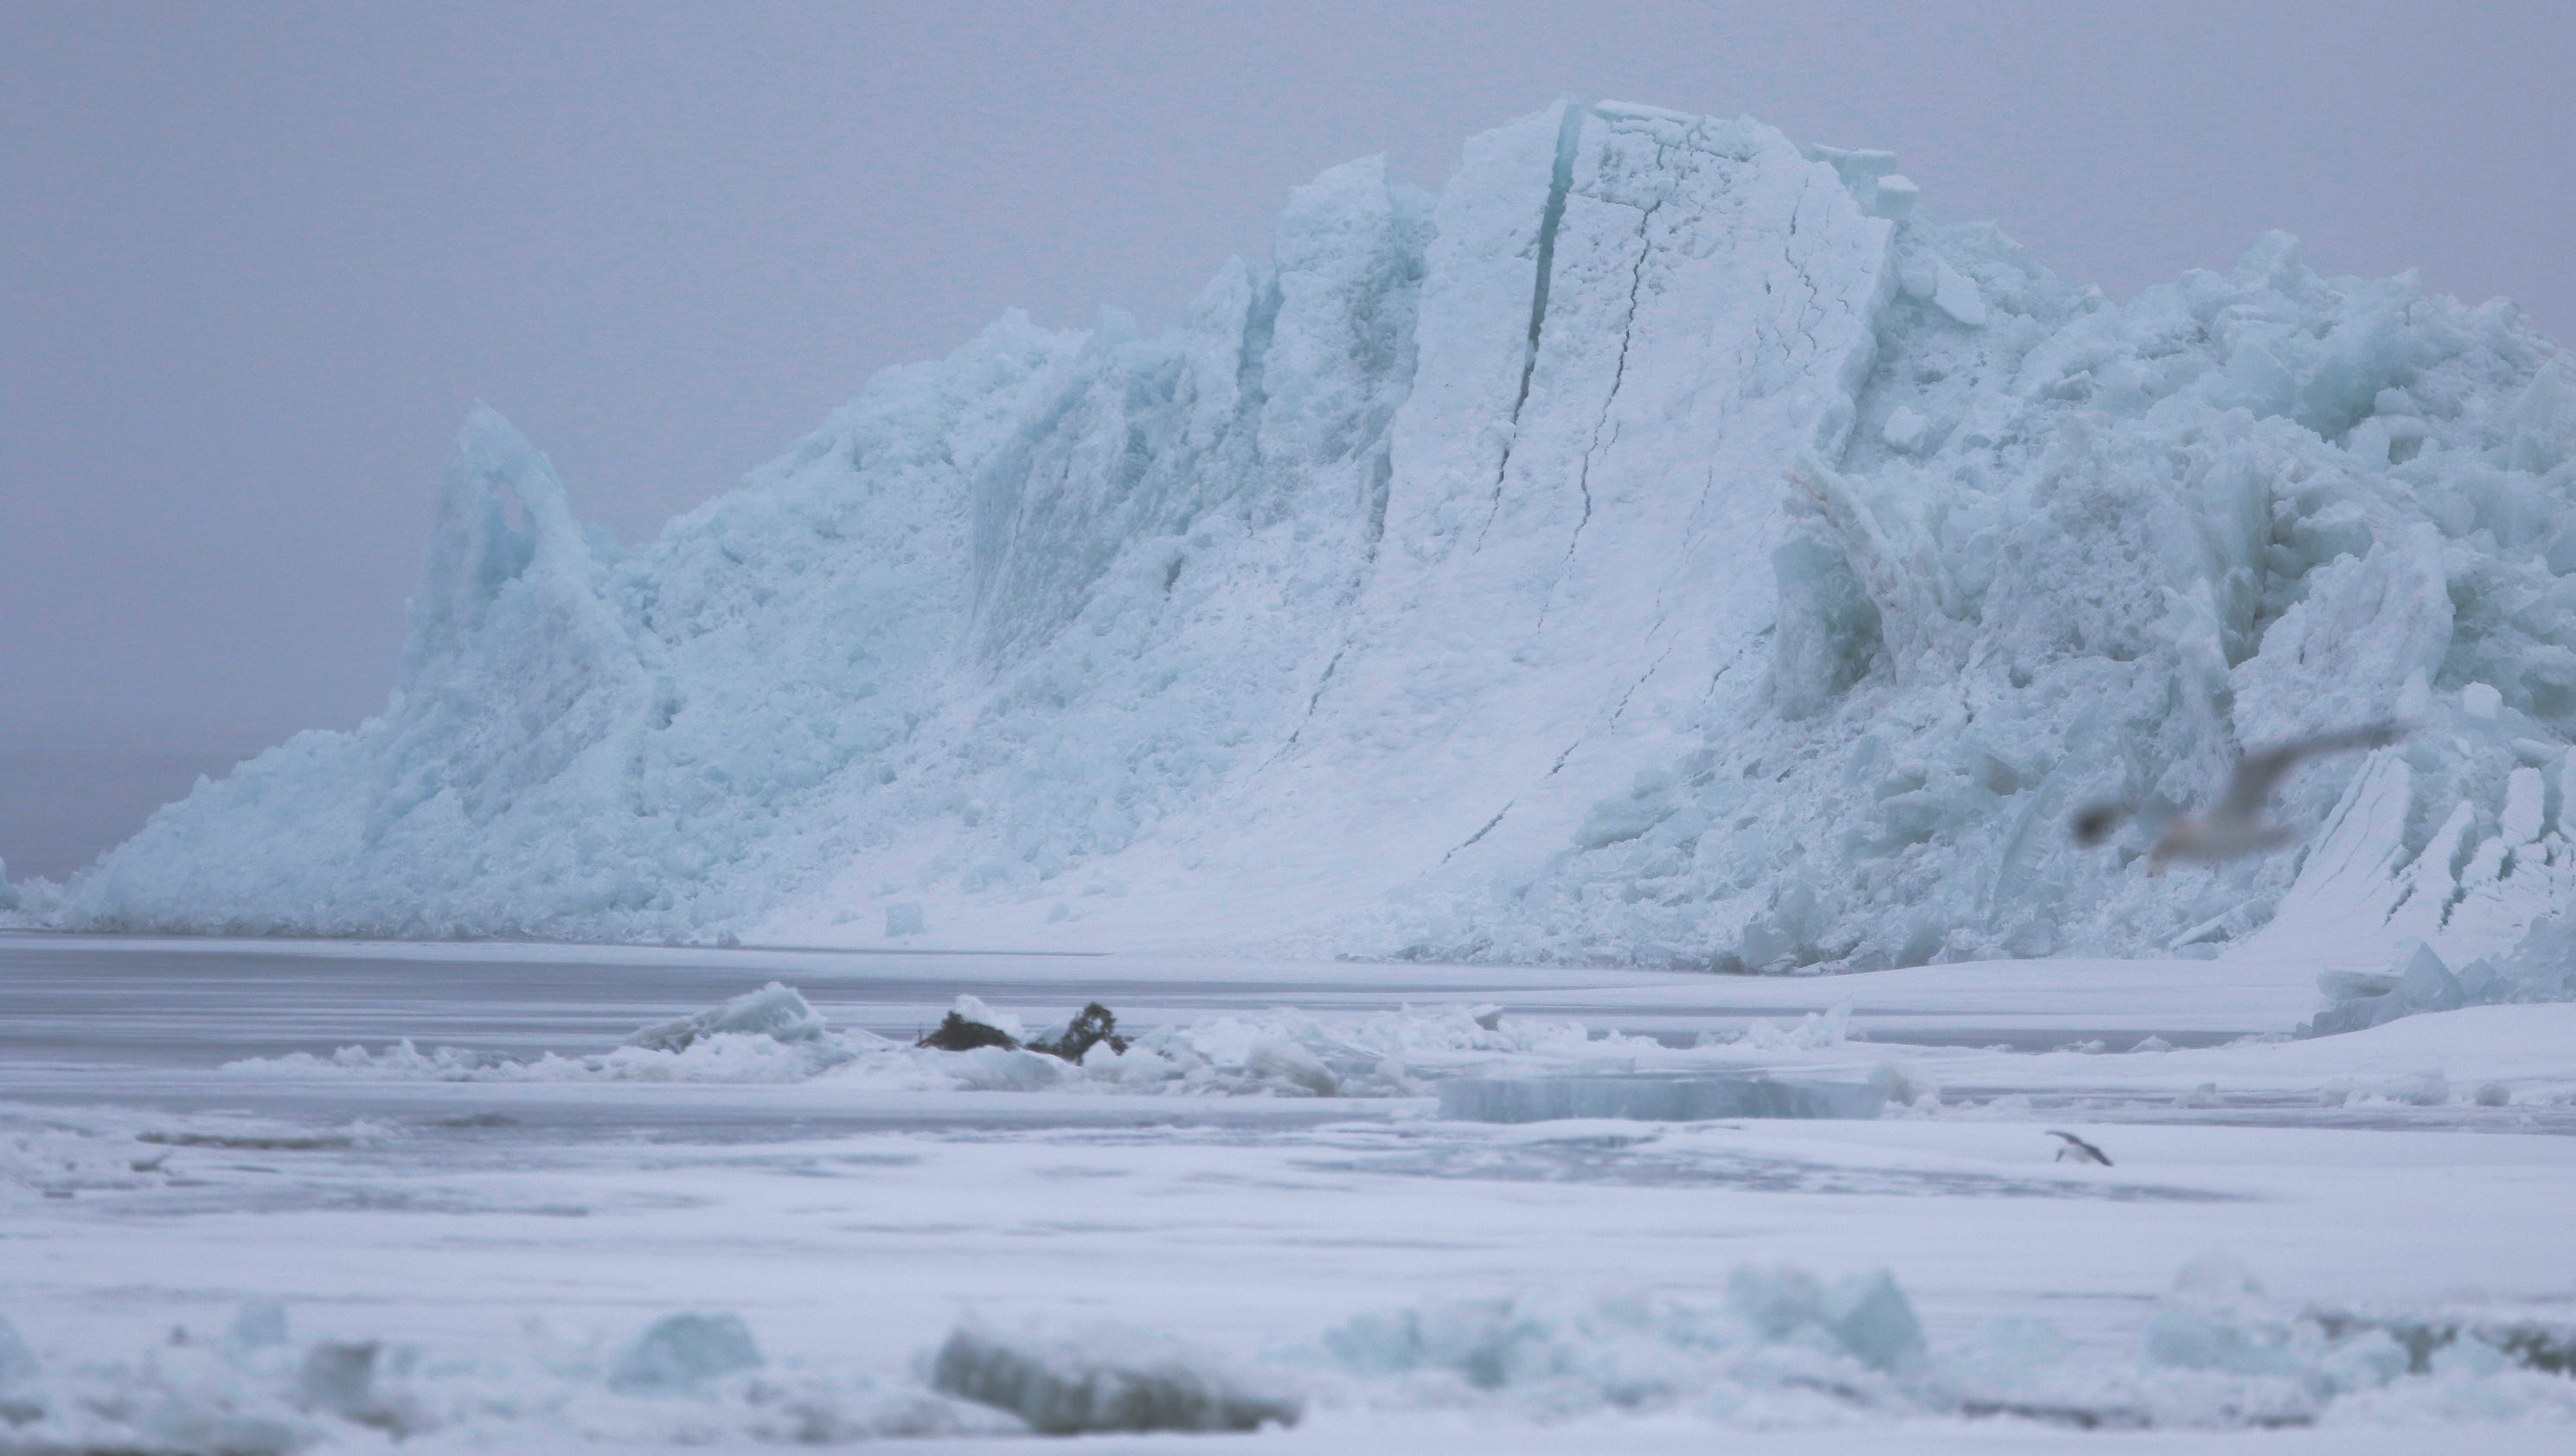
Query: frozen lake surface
x=1263, y=1191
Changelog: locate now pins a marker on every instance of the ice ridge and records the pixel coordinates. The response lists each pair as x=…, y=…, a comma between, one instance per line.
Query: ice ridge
x=1662, y=544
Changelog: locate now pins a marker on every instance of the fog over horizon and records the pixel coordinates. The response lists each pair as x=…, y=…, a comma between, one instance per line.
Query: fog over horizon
x=258, y=262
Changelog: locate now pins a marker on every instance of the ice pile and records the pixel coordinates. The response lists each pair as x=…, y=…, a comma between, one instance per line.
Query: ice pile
x=1782, y=1346
x=1663, y=544
x=48, y=1159
x=774, y=1035
x=2542, y=967
x=687, y=1380
x=1785, y=1347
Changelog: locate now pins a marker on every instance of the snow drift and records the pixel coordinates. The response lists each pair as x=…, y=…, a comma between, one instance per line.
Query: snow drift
x=1661, y=545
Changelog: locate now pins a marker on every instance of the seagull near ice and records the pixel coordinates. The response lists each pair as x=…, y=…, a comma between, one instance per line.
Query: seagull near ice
x=2236, y=827
x=2076, y=1148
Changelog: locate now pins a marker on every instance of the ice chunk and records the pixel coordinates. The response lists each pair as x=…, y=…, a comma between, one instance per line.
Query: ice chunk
x=1828, y=639
x=1653, y=1098
x=2426, y=984
x=1285, y=1060
x=1874, y=1321
x=1897, y=194
x=904, y=919
x=1105, y=1380
x=2420, y=982
x=1904, y=429
x=257, y=1325
x=776, y=1011
x=339, y=1377
x=682, y=1353
x=2481, y=701
x=22, y=1378
x=2215, y=1320
x=1955, y=294
x=2520, y=821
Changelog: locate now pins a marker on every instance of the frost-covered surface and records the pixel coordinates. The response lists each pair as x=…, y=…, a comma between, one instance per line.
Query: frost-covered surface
x=1785, y=1348
x=597, y=1258
x=252, y=1389
x=1662, y=545
x=1782, y=1349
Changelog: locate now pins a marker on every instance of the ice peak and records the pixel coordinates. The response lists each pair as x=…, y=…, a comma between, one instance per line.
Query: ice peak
x=1660, y=544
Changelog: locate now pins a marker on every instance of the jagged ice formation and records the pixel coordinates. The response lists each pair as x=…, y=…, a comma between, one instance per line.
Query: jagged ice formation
x=1660, y=545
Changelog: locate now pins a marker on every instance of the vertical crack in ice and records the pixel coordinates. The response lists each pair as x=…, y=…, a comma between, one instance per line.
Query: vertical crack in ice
x=1308, y=716
x=1560, y=182
x=1618, y=377
x=1488, y=829
x=1252, y=358
x=1642, y=678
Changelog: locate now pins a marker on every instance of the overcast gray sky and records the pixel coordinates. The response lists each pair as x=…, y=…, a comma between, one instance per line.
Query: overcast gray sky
x=257, y=260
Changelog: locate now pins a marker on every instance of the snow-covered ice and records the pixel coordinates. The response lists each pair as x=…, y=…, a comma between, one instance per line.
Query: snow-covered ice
x=539, y=1235
x=1659, y=545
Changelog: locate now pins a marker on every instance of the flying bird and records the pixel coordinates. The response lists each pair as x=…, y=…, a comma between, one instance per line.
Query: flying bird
x=2236, y=827
x=2078, y=1149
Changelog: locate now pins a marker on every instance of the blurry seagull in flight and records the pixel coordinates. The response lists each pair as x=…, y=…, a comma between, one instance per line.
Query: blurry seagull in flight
x=2236, y=827
x=2078, y=1149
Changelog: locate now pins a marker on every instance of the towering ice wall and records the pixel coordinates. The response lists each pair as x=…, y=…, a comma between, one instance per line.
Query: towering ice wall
x=1660, y=545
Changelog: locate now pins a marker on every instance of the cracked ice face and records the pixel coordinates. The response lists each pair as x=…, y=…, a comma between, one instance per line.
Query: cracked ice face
x=1660, y=544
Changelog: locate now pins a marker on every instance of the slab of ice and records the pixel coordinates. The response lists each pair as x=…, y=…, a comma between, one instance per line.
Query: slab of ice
x=22, y=1378
x=1653, y=1098
x=680, y=1353
x=1106, y=1379
x=2541, y=967
x=776, y=1011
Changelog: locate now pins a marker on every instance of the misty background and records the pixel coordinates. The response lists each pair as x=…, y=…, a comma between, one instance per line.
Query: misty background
x=257, y=261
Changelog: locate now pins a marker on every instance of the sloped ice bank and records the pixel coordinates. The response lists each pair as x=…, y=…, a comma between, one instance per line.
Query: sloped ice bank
x=1661, y=544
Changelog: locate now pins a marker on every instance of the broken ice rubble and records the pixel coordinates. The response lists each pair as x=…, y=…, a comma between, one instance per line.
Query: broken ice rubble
x=1781, y=1347
x=1484, y=1065
x=2541, y=967
x=688, y=1379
